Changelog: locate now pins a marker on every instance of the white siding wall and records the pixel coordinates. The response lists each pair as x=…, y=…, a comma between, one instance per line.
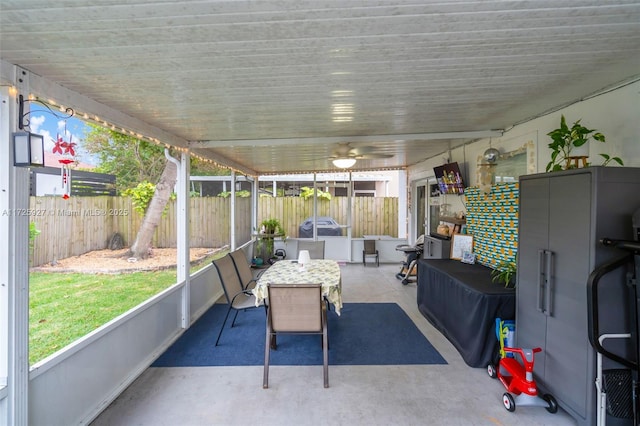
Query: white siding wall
x=615, y=114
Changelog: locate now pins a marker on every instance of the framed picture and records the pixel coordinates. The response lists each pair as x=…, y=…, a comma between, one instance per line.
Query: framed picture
x=468, y=257
x=461, y=243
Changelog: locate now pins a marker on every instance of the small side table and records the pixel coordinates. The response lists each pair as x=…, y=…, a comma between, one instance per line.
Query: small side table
x=576, y=160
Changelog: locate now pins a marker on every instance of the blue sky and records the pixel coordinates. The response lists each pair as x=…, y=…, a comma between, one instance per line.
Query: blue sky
x=43, y=122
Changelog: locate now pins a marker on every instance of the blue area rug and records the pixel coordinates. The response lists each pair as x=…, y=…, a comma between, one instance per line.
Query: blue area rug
x=365, y=334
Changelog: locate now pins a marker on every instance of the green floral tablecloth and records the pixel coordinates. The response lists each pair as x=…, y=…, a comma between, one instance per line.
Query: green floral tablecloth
x=323, y=271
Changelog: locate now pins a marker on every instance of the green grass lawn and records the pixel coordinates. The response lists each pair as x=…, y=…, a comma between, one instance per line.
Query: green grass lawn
x=65, y=307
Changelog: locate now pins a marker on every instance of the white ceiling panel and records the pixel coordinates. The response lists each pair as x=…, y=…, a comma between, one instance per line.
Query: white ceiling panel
x=275, y=85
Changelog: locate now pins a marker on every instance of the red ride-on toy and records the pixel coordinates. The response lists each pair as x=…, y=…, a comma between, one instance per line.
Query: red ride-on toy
x=518, y=379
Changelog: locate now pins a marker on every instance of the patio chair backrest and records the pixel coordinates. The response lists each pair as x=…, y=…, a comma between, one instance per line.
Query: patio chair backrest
x=228, y=277
x=315, y=248
x=243, y=268
x=295, y=308
x=369, y=246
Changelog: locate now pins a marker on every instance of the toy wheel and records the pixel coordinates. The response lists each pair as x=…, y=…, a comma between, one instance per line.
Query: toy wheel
x=508, y=402
x=405, y=281
x=553, y=404
x=491, y=371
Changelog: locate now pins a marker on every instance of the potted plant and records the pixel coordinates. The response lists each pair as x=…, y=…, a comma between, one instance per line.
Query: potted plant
x=567, y=140
x=270, y=229
x=505, y=273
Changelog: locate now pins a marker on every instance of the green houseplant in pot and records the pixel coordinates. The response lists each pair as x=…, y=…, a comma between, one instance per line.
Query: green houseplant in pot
x=505, y=273
x=270, y=229
x=565, y=142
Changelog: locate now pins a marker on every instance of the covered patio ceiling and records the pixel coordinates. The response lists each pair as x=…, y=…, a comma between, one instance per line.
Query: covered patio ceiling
x=284, y=86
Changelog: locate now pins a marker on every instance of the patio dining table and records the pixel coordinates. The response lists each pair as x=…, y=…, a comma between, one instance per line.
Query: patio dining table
x=323, y=271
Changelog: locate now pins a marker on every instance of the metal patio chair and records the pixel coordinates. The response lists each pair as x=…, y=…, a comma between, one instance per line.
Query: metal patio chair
x=370, y=251
x=295, y=309
x=237, y=296
x=243, y=268
x=315, y=248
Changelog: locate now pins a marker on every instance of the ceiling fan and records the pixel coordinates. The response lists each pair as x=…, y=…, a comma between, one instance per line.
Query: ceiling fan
x=345, y=156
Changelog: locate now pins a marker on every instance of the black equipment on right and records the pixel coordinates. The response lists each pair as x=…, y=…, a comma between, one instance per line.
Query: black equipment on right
x=410, y=265
x=618, y=388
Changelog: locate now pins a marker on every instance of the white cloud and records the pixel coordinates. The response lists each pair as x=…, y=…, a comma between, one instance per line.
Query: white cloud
x=62, y=130
x=35, y=123
x=38, y=124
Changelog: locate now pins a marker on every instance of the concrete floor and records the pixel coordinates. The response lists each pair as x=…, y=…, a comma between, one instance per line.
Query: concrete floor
x=452, y=394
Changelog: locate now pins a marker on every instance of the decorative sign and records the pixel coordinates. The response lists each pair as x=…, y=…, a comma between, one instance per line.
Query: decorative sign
x=460, y=244
x=493, y=221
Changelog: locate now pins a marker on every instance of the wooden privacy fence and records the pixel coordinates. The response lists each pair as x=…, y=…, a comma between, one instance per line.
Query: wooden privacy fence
x=81, y=224
x=370, y=215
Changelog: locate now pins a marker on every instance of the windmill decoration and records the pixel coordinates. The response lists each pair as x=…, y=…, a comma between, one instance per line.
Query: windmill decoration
x=67, y=151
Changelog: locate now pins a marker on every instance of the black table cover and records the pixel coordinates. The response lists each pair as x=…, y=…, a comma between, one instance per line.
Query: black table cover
x=462, y=302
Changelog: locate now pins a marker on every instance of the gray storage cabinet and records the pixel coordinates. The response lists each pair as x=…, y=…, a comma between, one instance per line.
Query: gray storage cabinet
x=563, y=215
x=436, y=248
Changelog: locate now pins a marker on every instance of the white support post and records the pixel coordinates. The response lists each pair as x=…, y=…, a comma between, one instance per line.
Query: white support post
x=350, y=200
x=403, y=219
x=315, y=207
x=233, y=211
x=5, y=226
x=14, y=272
x=182, y=230
x=184, y=240
x=254, y=205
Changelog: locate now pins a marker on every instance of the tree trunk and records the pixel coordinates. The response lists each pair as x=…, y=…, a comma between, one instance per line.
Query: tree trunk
x=142, y=246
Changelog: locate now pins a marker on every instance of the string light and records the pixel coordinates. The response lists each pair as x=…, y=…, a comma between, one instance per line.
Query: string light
x=106, y=124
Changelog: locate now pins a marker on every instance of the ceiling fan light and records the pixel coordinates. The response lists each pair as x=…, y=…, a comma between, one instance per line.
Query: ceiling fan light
x=344, y=163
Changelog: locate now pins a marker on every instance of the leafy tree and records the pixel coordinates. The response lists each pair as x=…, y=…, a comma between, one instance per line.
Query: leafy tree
x=136, y=163
x=130, y=159
x=307, y=192
x=142, y=195
x=141, y=247
x=133, y=160
x=243, y=193
x=205, y=168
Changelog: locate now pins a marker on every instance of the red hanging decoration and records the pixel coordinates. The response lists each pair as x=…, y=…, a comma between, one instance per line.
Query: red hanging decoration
x=65, y=174
x=67, y=150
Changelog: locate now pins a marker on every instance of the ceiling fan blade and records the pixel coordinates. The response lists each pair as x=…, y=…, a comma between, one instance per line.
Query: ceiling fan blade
x=359, y=153
x=373, y=156
x=368, y=153
x=361, y=150
x=342, y=155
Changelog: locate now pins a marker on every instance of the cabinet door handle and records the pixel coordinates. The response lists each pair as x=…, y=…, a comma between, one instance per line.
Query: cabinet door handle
x=549, y=281
x=541, y=280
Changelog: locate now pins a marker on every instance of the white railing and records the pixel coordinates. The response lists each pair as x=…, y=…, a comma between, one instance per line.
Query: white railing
x=76, y=383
